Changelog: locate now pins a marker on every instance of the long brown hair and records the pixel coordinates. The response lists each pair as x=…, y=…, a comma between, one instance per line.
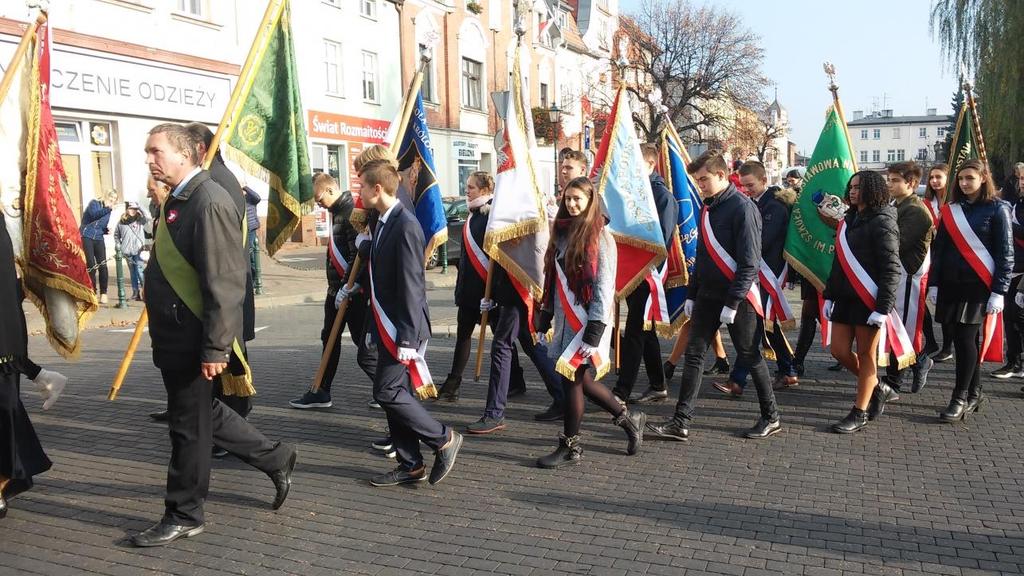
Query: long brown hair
x=929, y=192
x=584, y=235
x=988, y=188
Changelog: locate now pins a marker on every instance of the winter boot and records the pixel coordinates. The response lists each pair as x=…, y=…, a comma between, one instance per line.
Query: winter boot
x=569, y=451
x=633, y=423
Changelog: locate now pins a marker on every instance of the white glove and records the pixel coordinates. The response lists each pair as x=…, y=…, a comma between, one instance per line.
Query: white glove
x=933, y=294
x=541, y=337
x=487, y=304
x=728, y=315
x=828, y=309
x=876, y=319
x=144, y=255
x=1018, y=299
x=344, y=293
x=406, y=354
x=688, y=308
x=586, y=350
x=360, y=238
x=995, y=304
x=50, y=385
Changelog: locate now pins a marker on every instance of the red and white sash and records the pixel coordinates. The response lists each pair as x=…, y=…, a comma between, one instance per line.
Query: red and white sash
x=777, y=309
x=419, y=373
x=826, y=324
x=974, y=252
x=724, y=261
x=656, y=310
x=911, y=303
x=477, y=257
x=934, y=209
x=576, y=320
x=337, y=260
x=894, y=335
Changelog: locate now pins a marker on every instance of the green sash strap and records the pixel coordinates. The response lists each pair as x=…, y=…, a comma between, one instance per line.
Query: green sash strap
x=184, y=280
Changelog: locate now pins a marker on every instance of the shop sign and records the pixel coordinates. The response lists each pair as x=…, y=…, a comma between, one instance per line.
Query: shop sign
x=348, y=128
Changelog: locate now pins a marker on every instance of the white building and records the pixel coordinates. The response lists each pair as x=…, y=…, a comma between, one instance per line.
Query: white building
x=881, y=139
x=122, y=66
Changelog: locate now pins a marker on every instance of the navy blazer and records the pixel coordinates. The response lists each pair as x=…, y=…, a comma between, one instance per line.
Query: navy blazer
x=399, y=283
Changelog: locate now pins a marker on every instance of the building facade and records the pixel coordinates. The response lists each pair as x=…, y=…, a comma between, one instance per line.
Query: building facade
x=880, y=139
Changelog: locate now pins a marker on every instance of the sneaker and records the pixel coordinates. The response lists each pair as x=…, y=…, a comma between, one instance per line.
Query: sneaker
x=373, y=404
x=1009, y=370
x=399, y=476
x=763, y=429
x=651, y=395
x=943, y=355
x=486, y=425
x=384, y=444
x=670, y=429
x=921, y=370
x=393, y=454
x=103, y=298
x=318, y=399
x=721, y=366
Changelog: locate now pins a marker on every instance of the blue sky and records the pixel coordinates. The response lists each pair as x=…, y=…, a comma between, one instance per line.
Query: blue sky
x=882, y=50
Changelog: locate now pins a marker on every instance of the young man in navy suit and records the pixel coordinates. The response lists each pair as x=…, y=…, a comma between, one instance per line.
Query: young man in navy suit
x=399, y=304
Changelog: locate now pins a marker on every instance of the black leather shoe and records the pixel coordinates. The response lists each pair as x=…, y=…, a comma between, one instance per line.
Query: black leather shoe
x=218, y=453
x=649, y=396
x=883, y=393
x=444, y=458
x=159, y=416
x=553, y=413
x=670, y=429
x=837, y=367
x=974, y=404
x=399, y=476
x=163, y=533
x=763, y=429
x=283, y=481
x=517, y=390
x=569, y=451
x=955, y=412
x=853, y=422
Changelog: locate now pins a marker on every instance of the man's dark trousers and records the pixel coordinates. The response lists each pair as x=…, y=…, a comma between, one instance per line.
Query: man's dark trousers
x=512, y=324
x=638, y=343
x=408, y=420
x=745, y=332
x=355, y=321
x=195, y=421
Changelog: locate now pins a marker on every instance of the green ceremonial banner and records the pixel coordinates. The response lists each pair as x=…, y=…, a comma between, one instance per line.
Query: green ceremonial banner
x=268, y=139
x=810, y=241
x=963, y=146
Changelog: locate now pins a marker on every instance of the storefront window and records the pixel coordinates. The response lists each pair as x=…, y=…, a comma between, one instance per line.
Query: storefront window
x=466, y=168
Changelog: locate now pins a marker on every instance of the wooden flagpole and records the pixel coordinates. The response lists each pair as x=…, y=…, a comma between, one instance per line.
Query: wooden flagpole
x=259, y=43
x=13, y=69
x=483, y=323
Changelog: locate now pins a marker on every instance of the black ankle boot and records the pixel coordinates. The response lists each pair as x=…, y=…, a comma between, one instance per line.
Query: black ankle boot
x=449, y=391
x=633, y=423
x=883, y=393
x=569, y=451
x=853, y=422
x=956, y=411
x=975, y=398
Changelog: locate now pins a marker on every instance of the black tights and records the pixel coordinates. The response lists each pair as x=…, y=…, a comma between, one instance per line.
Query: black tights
x=585, y=385
x=967, y=347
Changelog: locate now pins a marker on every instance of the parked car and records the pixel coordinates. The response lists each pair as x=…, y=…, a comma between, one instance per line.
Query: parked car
x=456, y=211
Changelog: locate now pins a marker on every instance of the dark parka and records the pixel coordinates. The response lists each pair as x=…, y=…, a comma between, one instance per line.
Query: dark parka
x=916, y=232
x=205, y=225
x=774, y=223
x=874, y=239
x=668, y=208
x=737, y=225
x=992, y=223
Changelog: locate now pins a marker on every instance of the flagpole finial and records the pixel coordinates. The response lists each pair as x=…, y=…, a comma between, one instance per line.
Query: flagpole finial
x=42, y=5
x=830, y=71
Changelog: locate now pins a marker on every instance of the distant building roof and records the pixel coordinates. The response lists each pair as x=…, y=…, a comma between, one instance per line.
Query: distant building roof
x=874, y=120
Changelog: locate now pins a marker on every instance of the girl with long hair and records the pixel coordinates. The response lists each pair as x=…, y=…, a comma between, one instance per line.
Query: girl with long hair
x=579, y=291
x=867, y=253
x=971, y=267
x=934, y=198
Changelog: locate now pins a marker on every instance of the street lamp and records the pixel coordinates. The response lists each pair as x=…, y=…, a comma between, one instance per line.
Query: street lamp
x=555, y=116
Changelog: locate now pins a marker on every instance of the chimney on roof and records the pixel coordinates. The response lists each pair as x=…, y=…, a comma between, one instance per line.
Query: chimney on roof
x=932, y=111
x=887, y=113
x=858, y=114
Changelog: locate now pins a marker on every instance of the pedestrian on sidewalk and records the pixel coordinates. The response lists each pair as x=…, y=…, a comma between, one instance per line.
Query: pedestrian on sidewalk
x=579, y=296
x=95, y=225
x=130, y=235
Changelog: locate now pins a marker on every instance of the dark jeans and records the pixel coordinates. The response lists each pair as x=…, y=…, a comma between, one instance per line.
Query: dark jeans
x=638, y=344
x=468, y=324
x=355, y=321
x=195, y=422
x=783, y=358
x=808, y=330
x=408, y=420
x=96, y=260
x=511, y=325
x=1012, y=323
x=745, y=332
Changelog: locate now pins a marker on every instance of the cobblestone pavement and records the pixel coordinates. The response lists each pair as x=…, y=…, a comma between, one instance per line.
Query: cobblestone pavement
x=905, y=496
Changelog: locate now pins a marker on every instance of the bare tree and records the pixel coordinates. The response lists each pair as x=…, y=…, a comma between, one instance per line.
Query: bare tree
x=699, y=57
x=755, y=132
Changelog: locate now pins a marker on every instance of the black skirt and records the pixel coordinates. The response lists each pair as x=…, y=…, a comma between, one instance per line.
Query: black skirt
x=850, y=311
x=962, y=302
x=21, y=454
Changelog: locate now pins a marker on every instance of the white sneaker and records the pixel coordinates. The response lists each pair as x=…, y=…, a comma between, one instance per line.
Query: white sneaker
x=103, y=298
